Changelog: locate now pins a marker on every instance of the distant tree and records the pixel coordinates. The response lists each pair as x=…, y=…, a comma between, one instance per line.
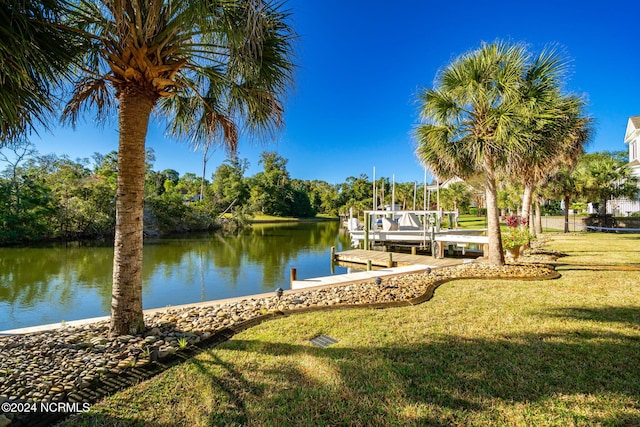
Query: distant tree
x=158, y=182
x=404, y=194
x=67, y=180
x=456, y=197
x=26, y=205
x=14, y=155
x=271, y=191
x=228, y=184
x=356, y=193
x=205, y=121
x=605, y=175
x=324, y=197
x=301, y=204
x=106, y=165
x=189, y=186
x=561, y=185
x=85, y=201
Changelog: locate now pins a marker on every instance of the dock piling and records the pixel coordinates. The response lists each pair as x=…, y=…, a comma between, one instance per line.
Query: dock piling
x=366, y=231
x=293, y=275
x=368, y=265
x=390, y=263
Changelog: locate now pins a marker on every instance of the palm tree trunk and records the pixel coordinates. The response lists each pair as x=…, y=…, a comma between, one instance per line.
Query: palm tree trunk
x=602, y=211
x=126, y=300
x=496, y=253
x=527, y=196
x=566, y=213
x=538, y=217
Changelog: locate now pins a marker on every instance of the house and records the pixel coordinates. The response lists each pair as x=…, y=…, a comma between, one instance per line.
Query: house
x=625, y=207
x=632, y=137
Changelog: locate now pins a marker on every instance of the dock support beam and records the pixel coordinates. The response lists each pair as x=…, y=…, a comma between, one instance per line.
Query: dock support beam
x=293, y=275
x=366, y=231
x=368, y=265
x=433, y=242
x=390, y=263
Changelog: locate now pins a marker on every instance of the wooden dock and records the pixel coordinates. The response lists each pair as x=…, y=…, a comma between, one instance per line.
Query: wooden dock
x=401, y=264
x=392, y=259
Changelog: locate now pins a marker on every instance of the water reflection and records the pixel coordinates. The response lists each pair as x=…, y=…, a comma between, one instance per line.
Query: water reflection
x=66, y=282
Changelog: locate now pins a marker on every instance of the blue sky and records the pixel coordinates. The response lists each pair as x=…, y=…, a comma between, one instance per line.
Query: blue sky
x=362, y=64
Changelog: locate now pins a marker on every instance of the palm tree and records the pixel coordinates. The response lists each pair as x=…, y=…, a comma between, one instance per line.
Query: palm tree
x=36, y=52
x=470, y=122
x=455, y=195
x=562, y=183
x=239, y=50
x=560, y=136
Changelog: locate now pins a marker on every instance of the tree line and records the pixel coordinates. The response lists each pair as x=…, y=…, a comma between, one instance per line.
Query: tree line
x=50, y=197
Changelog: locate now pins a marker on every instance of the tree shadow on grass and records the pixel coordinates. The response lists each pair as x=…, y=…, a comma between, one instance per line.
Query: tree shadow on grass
x=231, y=384
x=449, y=380
x=576, y=376
x=573, y=377
x=625, y=315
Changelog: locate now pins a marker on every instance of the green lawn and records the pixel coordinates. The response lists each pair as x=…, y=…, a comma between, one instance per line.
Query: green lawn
x=481, y=352
x=480, y=222
x=472, y=222
x=271, y=218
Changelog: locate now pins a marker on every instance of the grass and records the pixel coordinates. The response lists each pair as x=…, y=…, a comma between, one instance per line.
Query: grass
x=472, y=222
x=480, y=222
x=271, y=218
x=494, y=352
x=598, y=248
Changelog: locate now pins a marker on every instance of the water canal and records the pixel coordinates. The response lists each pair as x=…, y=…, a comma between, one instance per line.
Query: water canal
x=49, y=284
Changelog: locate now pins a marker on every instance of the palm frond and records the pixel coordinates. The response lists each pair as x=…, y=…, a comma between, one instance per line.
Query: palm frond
x=89, y=92
x=36, y=49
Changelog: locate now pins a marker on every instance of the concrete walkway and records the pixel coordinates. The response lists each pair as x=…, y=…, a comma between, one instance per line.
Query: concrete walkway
x=345, y=279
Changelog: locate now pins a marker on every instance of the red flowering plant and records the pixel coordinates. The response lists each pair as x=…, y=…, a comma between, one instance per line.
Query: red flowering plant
x=518, y=234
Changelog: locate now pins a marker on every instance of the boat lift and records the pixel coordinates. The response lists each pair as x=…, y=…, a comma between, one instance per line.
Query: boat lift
x=420, y=229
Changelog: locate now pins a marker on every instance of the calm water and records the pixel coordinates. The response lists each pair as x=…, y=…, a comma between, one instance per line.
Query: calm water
x=67, y=282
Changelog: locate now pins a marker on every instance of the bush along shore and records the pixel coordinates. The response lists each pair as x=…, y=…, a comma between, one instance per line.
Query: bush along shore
x=80, y=365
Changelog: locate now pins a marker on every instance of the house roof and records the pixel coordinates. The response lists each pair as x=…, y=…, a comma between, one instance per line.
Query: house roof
x=633, y=129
